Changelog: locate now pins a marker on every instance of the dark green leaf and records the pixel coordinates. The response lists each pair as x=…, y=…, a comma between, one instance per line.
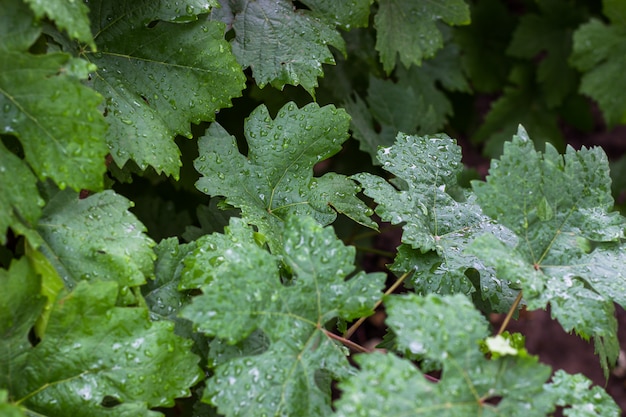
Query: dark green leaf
x=409, y=29
x=158, y=78
x=70, y=16
x=283, y=45
x=600, y=52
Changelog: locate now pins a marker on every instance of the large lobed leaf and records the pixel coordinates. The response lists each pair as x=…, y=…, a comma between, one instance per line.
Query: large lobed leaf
x=70, y=16
x=95, y=359
x=158, y=76
x=568, y=249
x=436, y=227
x=448, y=329
x=278, y=170
x=409, y=28
x=414, y=104
x=45, y=105
x=95, y=238
x=283, y=357
x=282, y=45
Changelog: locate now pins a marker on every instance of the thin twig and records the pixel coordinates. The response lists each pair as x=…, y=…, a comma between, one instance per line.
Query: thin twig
x=348, y=343
x=509, y=315
x=348, y=334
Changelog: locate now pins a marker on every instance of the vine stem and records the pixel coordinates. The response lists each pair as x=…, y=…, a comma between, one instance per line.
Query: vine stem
x=363, y=349
x=391, y=289
x=509, y=315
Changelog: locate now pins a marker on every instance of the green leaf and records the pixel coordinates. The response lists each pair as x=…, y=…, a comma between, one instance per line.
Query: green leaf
x=95, y=238
x=482, y=44
x=20, y=203
x=243, y=292
x=283, y=45
x=157, y=77
x=346, y=14
x=417, y=89
x=94, y=352
x=9, y=410
x=522, y=102
x=449, y=329
x=54, y=116
x=436, y=228
x=549, y=32
x=18, y=30
x=600, y=53
x=212, y=217
x=568, y=259
x=615, y=10
x=22, y=303
x=70, y=16
x=410, y=29
x=279, y=168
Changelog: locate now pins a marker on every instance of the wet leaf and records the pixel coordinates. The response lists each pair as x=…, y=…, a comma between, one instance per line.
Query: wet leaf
x=436, y=227
x=278, y=169
x=567, y=259
x=245, y=292
x=94, y=353
x=448, y=329
x=158, y=75
x=70, y=16
x=95, y=238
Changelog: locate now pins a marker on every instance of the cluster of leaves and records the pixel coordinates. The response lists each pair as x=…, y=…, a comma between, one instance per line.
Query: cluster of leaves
x=120, y=301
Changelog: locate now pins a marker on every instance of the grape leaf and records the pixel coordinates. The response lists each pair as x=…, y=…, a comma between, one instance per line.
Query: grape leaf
x=95, y=238
x=283, y=45
x=615, y=10
x=22, y=302
x=482, y=44
x=346, y=14
x=157, y=76
x=600, y=53
x=212, y=218
x=436, y=228
x=9, y=410
x=94, y=352
x=449, y=329
x=568, y=249
x=55, y=117
x=522, y=102
x=20, y=203
x=410, y=30
x=18, y=30
x=70, y=16
x=549, y=32
x=243, y=291
x=417, y=89
x=278, y=169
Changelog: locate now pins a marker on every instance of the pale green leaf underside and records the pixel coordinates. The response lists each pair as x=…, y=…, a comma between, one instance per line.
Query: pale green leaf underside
x=93, y=350
x=276, y=178
x=568, y=240
x=282, y=45
x=153, y=86
x=20, y=204
x=600, y=52
x=436, y=228
x=243, y=293
x=410, y=29
x=54, y=116
x=95, y=238
x=448, y=329
x=70, y=16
